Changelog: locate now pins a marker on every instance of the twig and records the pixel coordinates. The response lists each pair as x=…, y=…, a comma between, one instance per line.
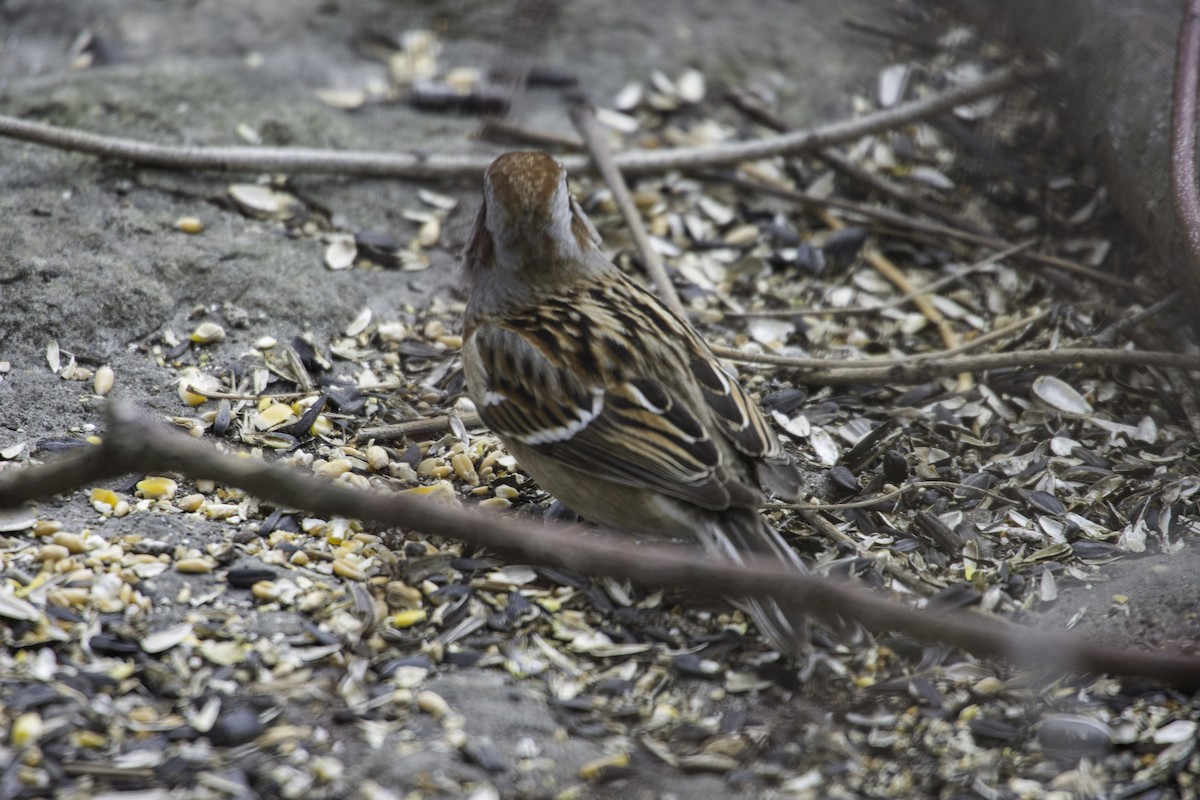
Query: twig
x=892, y=189
x=883, y=498
x=919, y=369
x=1134, y=319
x=417, y=427
x=920, y=42
x=916, y=583
x=583, y=116
x=904, y=221
x=133, y=444
x=990, y=336
x=426, y=166
x=755, y=108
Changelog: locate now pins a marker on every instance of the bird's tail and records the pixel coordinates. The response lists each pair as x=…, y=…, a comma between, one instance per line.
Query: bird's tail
x=744, y=536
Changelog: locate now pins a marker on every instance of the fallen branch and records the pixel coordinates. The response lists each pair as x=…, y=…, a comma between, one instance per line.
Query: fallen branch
x=134, y=444
x=427, y=166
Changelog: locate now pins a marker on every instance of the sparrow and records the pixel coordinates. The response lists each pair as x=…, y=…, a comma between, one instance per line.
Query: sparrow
x=613, y=403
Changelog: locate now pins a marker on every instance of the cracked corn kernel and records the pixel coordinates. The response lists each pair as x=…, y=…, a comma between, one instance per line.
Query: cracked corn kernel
x=192, y=378
x=189, y=225
x=327, y=768
x=102, y=383
x=506, y=492
x=464, y=469
x=441, y=492
x=377, y=458
x=495, y=503
x=592, y=769
x=73, y=542
x=156, y=488
x=273, y=414
x=346, y=569
x=408, y=618
x=207, y=333
x=433, y=704
x=89, y=739
x=26, y=729
x=194, y=566
x=191, y=502
x=103, y=497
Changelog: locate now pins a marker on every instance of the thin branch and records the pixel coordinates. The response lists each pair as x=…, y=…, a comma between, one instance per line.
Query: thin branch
x=416, y=428
x=428, y=166
x=583, y=116
x=904, y=37
x=990, y=336
x=1132, y=320
x=918, y=369
x=875, y=500
x=756, y=109
x=134, y=444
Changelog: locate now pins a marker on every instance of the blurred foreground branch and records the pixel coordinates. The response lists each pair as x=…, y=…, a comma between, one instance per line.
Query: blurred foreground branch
x=134, y=443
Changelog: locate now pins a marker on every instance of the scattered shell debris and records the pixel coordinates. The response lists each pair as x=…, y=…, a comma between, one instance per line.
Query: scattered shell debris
x=134, y=658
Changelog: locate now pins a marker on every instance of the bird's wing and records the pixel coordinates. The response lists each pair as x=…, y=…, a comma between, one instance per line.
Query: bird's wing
x=633, y=432
x=743, y=423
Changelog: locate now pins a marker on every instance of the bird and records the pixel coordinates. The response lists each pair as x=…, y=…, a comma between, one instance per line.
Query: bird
x=609, y=400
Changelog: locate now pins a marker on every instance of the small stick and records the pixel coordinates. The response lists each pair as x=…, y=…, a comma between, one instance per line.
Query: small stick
x=418, y=427
x=921, y=368
x=883, y=498
x=756, y=109
x=912, y=39
x=583, y=116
